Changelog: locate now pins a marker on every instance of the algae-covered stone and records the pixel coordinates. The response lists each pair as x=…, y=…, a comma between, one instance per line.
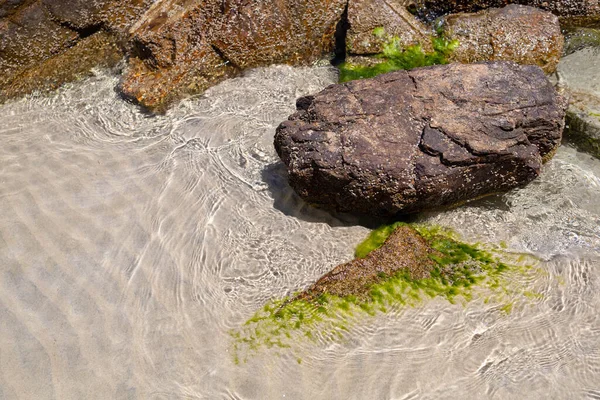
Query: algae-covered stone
x=371, y=23
x=579, y=38
x=405, y=250
x=579, y=74
x=522, y=34
x=397, y=265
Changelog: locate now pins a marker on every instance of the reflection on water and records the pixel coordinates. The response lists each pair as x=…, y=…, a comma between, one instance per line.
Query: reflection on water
x=131, y=245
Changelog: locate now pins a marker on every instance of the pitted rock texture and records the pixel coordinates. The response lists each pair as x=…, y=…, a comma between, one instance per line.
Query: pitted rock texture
x=404, y=250
x=413, y=140
x=522, y=34
x=41, y=40
x=365, y=16
x=185, y=46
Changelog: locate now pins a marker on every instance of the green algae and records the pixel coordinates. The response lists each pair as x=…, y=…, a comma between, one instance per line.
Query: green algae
x=462, y=272
x=396, y=57
x=379, y=32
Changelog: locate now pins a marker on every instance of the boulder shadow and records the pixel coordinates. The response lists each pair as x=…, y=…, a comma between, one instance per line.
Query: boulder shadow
x=286, y=200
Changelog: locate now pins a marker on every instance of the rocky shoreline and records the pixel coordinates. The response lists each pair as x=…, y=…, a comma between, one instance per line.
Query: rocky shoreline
x=398, y=142
x=176, y=48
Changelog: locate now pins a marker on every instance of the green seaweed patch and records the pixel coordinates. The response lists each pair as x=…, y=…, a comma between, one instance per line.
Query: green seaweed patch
x=462, y=271
x=379, y=32
x=397, y=57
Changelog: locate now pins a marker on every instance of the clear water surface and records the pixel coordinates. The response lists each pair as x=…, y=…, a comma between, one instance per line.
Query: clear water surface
x=131, y=245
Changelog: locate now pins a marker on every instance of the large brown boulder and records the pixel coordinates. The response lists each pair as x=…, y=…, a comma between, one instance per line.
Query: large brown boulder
x=413, y=140
x=183, y=47
x=522, y=34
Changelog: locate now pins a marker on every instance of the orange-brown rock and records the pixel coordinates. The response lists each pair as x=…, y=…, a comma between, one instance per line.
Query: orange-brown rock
x=116, y=15
x=29, y=36
x=184, y=46
x=522, y=34
x=365, y=17
x=44, y=43
x=98, y=50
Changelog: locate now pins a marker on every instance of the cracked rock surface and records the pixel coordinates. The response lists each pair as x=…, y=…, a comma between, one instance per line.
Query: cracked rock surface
x=413, y=140
x=182, y=47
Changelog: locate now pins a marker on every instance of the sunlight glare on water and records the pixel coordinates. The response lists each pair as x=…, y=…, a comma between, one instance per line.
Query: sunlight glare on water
x=131, y=245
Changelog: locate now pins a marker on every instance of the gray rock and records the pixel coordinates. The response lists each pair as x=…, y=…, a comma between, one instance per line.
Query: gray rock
x=414, y=140
x=579, y=75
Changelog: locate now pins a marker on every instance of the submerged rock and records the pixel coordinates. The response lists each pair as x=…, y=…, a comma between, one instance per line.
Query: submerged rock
x=405, y=250
x=98, y=50
x=183, y=47
x=579, y=38
x=414, y=140
x=28, y=36
x=579, y=74
x=522, y=34
x=401, y=265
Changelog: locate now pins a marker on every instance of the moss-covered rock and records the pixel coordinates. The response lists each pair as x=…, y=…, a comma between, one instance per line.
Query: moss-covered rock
x=579, y=38
x=396, y=56
x=373, y=22
x=397, y=265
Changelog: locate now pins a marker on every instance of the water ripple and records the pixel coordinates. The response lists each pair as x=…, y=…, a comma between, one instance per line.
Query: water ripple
x=131, y=245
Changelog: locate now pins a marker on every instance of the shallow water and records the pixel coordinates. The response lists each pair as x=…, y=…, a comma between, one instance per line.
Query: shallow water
x=130, y=246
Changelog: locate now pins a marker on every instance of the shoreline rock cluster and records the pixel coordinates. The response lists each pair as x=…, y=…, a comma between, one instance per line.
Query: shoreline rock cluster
x=176, y=48
x=398, y=143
